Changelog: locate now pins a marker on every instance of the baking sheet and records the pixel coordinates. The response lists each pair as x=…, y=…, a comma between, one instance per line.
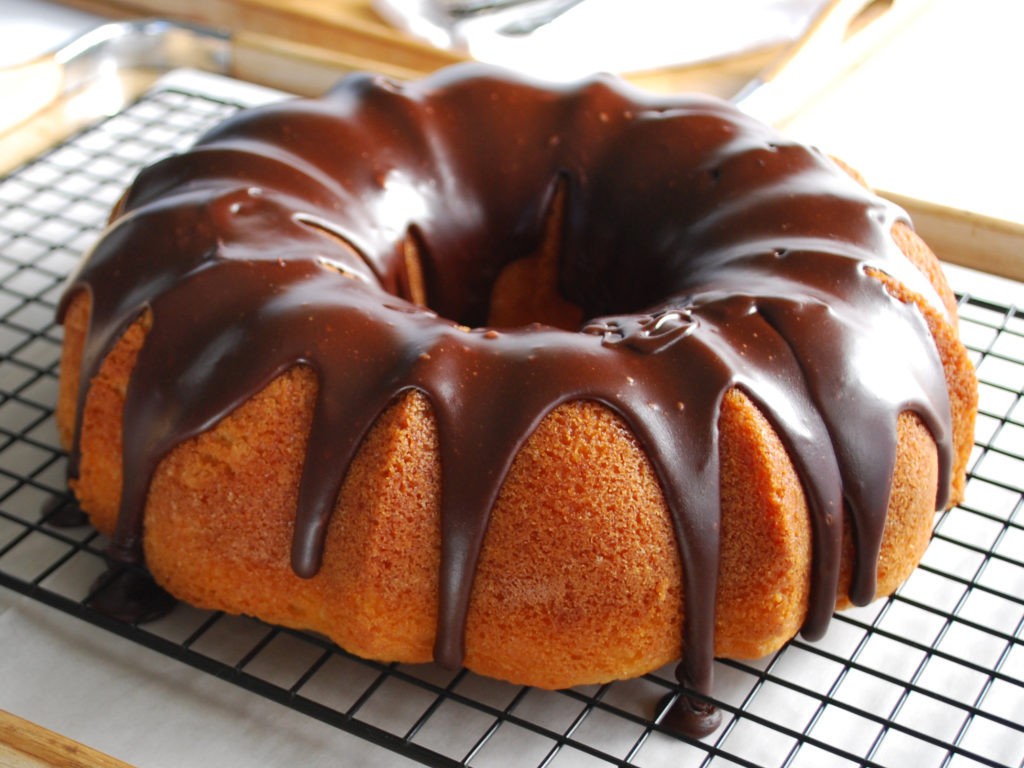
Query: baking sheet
x=931, y=677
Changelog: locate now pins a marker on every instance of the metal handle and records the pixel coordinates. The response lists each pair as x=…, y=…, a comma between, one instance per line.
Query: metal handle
x=842, y=35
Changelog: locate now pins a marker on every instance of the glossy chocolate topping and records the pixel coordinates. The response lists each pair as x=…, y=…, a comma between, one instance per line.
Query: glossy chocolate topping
x=705, y=251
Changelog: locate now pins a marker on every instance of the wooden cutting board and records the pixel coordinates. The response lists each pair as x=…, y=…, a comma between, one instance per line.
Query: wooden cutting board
x=27, y=745
x=345, y=28
x=930, y=119
x=348, y=34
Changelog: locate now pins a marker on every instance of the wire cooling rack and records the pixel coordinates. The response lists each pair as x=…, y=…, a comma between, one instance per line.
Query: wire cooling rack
x=933, y=676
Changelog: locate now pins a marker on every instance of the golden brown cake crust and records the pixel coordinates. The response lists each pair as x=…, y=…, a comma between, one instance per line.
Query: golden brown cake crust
x=580, y=578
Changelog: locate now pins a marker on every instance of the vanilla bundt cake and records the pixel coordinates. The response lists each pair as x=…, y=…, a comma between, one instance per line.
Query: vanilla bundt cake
x=561, y=383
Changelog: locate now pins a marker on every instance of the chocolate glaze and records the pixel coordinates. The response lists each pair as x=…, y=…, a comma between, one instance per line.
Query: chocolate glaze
x=706, y=253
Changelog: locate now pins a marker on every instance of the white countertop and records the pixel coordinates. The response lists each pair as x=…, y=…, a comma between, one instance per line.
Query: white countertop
x=150, y=710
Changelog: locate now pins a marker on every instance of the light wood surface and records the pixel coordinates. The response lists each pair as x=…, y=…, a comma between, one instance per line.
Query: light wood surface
x=904, y=112
x=322, y=34
x=27, y=745
x=328, y=28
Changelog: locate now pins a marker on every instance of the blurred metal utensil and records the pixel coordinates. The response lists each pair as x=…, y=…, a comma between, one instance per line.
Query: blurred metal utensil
x=841, y=36
x=506, y=17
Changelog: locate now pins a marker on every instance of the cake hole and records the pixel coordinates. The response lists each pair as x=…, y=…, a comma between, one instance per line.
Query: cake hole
x=524, y=292
x=527, y=290
x=411, y=283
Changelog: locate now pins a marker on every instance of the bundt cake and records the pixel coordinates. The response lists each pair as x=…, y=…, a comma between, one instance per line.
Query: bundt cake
x=558, y=382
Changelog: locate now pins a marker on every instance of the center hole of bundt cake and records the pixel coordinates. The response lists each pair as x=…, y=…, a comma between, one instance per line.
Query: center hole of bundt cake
x=527, y=292
x=527, y=289
x=505, y=291
x=524, y=291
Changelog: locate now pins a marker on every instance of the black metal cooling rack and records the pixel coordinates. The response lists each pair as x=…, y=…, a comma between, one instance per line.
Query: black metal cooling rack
x=933, y=676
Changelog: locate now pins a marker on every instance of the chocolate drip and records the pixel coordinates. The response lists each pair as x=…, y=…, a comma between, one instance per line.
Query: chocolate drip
x=706, y=252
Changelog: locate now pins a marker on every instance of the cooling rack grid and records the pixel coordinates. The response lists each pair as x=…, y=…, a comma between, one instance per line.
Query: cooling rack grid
x=933, y=676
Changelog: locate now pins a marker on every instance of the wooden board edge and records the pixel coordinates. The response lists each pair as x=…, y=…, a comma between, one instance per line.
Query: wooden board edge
x=970, y=239
x=23, y=744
